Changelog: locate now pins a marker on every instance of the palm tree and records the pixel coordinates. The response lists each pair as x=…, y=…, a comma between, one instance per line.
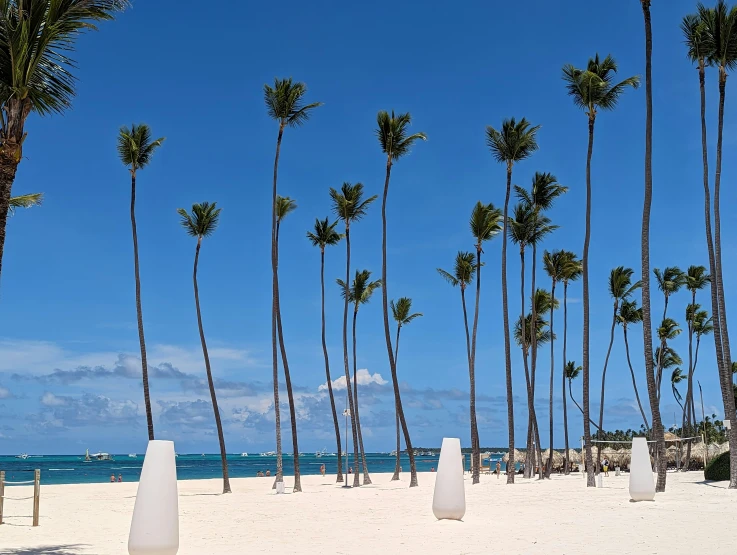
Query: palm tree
x=667, y=331
x=620, y=289
x=25, y=201
x=325, y=236
x=702, y=325
x=528, y=227
x=571, y=272
x=571, y=371
x=669, y=282
x=696, y=279
x=36, y=72
x=350, y=206
x=592, y=89
x=677, y=377
x=136, y=149
x=202, y=223
x=629, y=315
x=485, y=224
x=285, y=104
x=401, y=313
x=284, y=206
x=359, y=293
x=395, y=140
x=720, y=29
x=514, y=142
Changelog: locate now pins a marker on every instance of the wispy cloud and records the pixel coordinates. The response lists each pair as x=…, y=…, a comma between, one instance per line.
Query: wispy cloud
x=363, y=377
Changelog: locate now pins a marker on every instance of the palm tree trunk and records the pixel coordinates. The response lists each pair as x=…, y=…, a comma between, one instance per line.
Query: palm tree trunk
x=11, y=137
x=686, y=419
x=349, y=393
x=567, y=469
x=634, y=381
x=475, y=451
x=397, y=466
x=387, y=336
x=570, y=392
x=603, y=380
x=210, y=383
x=533, y=358
x=287, y=378
x=549, y=467
x=507, y=344
x=529, y=456
x=646, y=319
x=366, y=477
x=327, y=367
x=725, y=370
x=274, y=312
x=139, y=313
x=468, y=352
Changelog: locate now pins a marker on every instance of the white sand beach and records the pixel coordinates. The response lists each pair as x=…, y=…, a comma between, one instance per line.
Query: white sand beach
x=559, y=516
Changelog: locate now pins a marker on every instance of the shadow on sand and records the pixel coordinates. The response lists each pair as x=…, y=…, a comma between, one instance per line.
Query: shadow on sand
x=69, y=549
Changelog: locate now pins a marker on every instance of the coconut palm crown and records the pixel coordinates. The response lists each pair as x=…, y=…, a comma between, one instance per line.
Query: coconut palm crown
x=135, y=147
x=203, y=220
x=324, y=234
x=401, y=311
x=593, y=88
x=285, y=102
x=393, y=134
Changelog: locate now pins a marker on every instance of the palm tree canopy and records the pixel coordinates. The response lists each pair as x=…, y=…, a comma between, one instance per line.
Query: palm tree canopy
x=719, y=34
x=361, y=289
x=324, y=234
x=620, y=283
x=25, y=201
x=284, y=206
x=463, y=270
x=543, y=192
x=670, y=280
x=556, y=264
x=573, y=267
x=677, y=376
x=629, y=313
x=571, y=370
x=348, y=203
x=669, y=359
x=543, y=301
x=703, y=324
x=401, y=311
x=514, y=142
x=668, y=330
x=285, y=102
x=393, y=134
x=527, y=226
x=135, y=146
x=485, y=222
x=203, y=220
x=33, y=48
x=695, y=37
x=594, y=88
x=696, y=278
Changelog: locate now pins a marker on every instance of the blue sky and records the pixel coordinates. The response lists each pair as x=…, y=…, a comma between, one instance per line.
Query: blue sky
x=68, y=343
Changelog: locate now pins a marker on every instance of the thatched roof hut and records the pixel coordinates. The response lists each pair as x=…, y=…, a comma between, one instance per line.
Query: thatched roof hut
x=519, y=456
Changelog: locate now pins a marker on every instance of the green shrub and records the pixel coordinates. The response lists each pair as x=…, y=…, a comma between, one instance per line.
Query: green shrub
x=718, y=468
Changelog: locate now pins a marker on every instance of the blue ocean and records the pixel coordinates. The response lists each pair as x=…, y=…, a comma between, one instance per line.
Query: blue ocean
x=73, y=469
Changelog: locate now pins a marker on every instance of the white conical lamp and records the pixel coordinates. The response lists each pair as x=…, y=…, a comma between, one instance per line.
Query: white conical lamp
x=449, y=498
x=642, y=485
x=155, y=523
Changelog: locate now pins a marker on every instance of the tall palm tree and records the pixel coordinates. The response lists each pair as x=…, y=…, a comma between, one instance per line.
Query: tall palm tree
x=528, y=227
x=571, y=371
x=284, y=206
x=401, y=313
x=592, y=89
x=325, y=236
x=350, y=206
x=720, y=28
x=669, y=281
x=667, y=331
x=285, y=104
x=485, y=224
x=571, y=272
x=696, y=279
x=512, y=143
x=359, y=293
x=555, y=264
x=629, y=315
x=36, y=73
x=202, y=223
x=396, y=142
x=620, y=289
x=677, y=377
x=136, y=149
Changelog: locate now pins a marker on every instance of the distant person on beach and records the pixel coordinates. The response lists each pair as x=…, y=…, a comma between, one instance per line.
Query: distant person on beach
x=112, y=478
x=120, y=477
x=432, y=469
x=498, y=469
x=260, y=474
x=322, y=470
x=350, y=470
x=268, y=472
x=605, y=464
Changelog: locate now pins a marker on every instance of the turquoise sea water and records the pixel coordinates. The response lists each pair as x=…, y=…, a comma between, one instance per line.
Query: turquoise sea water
x=66, y=469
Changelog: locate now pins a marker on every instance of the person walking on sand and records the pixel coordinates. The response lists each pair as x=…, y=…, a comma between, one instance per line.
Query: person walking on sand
x=605, y=464
x=322, y=470
x=498, y=469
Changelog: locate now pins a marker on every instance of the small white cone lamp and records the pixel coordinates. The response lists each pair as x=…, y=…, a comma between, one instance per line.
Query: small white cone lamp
x=449, y=498
x=642, y=485
x=155, y=523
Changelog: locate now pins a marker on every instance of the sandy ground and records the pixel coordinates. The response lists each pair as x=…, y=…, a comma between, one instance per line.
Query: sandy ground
x=560, y=516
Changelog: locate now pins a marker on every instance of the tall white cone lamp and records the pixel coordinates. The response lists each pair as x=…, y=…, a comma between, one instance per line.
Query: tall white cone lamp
x=155, y=523
x=642, y=485
x=449, y=498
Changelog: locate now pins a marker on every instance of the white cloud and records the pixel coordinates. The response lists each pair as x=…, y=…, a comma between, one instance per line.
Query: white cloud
x=363, y=377
x=51, y=400
x=4, y=393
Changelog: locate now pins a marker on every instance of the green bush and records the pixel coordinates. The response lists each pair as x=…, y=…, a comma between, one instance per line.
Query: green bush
x=718, y=468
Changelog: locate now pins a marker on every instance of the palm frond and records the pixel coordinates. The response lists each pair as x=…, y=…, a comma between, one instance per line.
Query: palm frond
x=203, y=220
x=135, y=147
x=349, y=204
x=485, y=222
x=392, y=132
x=285, y=102
x=324, y=234
x=572, y=370
x=284, y=206
x=25, y=201
x=515, y=141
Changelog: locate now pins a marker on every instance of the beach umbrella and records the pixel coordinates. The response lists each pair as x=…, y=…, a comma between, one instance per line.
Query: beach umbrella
x=518, y=456
x=671, y=454
x=724, y=447
x=574, y=456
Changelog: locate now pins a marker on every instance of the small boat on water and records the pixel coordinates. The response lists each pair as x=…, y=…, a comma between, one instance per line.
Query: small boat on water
x=23, y=456
x=133, y=455
x=268, y=454
x=244, y=454
x=97, y=456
